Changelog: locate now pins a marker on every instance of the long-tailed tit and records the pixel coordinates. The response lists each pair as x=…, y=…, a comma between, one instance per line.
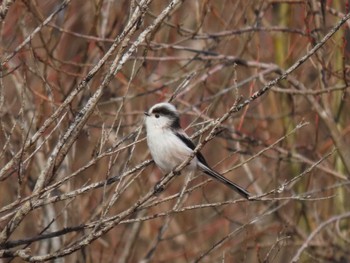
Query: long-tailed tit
x=170, y=146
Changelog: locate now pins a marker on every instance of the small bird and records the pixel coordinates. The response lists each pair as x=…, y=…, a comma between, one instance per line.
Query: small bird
x=170, y=145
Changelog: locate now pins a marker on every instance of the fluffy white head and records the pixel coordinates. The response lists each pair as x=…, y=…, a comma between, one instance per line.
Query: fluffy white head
x=162, y=116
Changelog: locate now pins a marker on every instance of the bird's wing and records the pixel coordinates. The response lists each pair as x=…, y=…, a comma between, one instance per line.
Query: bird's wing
x=203, y=165
x=186, y=140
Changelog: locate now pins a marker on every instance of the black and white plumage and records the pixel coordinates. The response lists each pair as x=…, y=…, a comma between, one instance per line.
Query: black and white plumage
x=170, y=146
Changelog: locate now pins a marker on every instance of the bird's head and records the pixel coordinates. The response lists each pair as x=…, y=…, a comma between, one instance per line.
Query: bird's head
x=162, y=116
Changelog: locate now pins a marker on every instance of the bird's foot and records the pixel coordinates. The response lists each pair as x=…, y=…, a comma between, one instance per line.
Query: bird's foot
x=177, y=173
x=158, y=188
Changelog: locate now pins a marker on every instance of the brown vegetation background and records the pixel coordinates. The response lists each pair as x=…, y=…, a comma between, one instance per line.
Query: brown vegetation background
x=263, y=85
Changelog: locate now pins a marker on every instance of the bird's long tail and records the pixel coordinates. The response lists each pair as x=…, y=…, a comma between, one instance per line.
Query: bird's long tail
x=224, y=180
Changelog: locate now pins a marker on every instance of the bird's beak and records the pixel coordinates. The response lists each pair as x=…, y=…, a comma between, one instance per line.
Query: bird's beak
x=146, y=113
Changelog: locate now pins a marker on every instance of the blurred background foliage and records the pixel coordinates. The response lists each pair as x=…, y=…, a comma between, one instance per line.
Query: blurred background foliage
x=208, y=55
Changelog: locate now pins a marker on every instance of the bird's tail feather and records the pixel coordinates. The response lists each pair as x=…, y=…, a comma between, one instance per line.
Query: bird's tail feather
x=224, y=180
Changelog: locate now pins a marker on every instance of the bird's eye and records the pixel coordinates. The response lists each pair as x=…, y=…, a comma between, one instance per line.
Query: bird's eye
x=156, y=115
